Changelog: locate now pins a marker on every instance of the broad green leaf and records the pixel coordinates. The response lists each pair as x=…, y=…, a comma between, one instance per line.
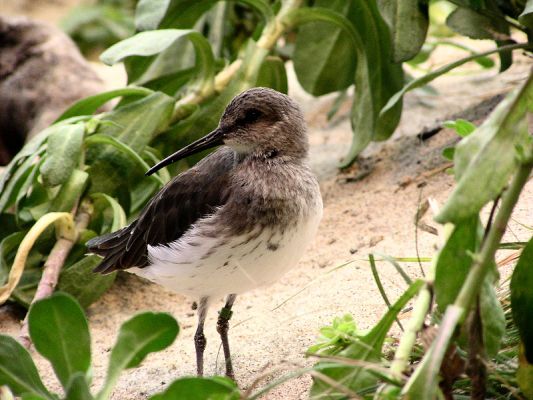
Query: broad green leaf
x=522, y=299
x=376, y=78
x=17, y=370
x=143, y=334
x=526, y=18
x=135, y=124
x=78, y=388
x=70, y=192
x=424, y=382
x=60, y=332
x=154, y=14
x=474, y=25
x=324, y=57
x=408, y=22
x=273, y=75
x=128, y=151
x=366, y=348
x=80, y=281
x=63, y=153
x=489, y=155
x=150, y=43
x=196, y=388
x=454, y=261
x=119, y=216
x=89, y=105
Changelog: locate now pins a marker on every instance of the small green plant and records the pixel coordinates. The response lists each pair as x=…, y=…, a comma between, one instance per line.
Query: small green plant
x=60, y=334
x=463, y=327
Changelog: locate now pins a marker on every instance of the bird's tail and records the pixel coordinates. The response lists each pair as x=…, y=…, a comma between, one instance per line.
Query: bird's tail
x=112, y=247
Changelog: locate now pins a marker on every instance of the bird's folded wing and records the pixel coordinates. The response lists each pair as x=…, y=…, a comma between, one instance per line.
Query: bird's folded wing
x=171, y=212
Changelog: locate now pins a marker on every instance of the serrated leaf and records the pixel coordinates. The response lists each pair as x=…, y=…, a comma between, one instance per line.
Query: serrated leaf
x=80, y=281
x=63, y=153
x=89, y=105
x=489, y=155
x=197, y=388
x=408, y=22
x=522, y=299
x=60, y=332
x=17, y=370
x=143, y=334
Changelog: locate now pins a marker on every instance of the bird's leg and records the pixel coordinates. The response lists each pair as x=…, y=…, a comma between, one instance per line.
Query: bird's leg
x=224, y=316
x=199, y=337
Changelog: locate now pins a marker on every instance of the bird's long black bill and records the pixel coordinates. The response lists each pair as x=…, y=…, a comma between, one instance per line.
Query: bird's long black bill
x=208, y=141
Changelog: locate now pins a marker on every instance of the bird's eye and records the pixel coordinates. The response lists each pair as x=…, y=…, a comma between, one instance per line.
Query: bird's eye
x=251, y=115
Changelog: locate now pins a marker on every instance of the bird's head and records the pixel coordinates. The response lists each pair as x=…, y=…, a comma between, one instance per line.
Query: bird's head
x=260, y=122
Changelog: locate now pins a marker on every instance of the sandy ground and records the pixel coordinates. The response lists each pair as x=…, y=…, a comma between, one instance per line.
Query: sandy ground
x=370, y=208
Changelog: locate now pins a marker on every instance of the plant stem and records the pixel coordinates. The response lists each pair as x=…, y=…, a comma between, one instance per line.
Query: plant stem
x=482, y=263
x=408, y=338
x=52, y=268
x=271, y=33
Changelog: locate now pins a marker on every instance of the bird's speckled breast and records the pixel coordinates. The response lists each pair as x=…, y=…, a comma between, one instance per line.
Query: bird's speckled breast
x=217, y=256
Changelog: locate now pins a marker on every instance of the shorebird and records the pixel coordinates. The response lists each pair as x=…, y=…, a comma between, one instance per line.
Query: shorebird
x=238, y=219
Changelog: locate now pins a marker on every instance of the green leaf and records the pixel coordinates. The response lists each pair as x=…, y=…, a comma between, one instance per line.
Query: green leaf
x=150, y=43
x=408, y=22
x=489, y=155
x=424, y=382
x=474, y=25
x=143, y=334
x=80, y=281
x=273, y=75
x=89, y=105
x=63, y=153
x=124, y=148
x=376, y=78
x=526, y=18
x=119, y=216
x=8, y=248
x=70, y=191
x=153, y=14
x=524, y=374
x=136, y=124
x=196, y=388
x=454, y=261
x=78, y=388
x=60, y=332
x=522, y=299
x=492, y=317
x=17, y=370
x=461, y=126
x=424, y=80
x=366, y=348
x=324, y=57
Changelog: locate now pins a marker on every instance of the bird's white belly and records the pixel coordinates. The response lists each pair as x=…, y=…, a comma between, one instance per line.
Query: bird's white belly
x=202, y=266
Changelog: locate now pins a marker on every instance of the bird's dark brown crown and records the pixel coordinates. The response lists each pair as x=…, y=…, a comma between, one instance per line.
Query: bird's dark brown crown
x=264, y=121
